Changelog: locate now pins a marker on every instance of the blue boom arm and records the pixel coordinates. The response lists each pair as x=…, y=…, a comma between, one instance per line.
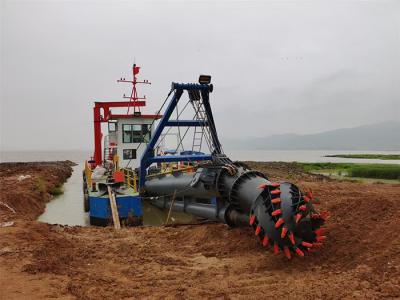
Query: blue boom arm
x=148, y=156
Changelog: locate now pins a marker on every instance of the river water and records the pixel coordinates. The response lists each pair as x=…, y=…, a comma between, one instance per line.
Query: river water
x=67, y=209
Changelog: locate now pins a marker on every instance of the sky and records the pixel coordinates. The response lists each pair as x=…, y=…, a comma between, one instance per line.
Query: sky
x=277, y=66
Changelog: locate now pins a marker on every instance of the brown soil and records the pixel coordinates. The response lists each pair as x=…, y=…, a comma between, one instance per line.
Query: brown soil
x=26, y=187
x=360, y=259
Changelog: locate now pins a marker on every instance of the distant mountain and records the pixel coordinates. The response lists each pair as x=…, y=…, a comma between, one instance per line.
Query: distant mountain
x=382, y=136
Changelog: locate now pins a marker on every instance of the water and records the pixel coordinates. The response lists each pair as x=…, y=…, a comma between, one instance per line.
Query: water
x=67, y=209
x=154, y=216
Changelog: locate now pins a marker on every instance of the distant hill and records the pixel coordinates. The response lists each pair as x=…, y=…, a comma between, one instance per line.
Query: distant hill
x=382, y=136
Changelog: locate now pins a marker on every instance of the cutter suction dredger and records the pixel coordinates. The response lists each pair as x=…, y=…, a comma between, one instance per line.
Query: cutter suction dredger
x=216, y=188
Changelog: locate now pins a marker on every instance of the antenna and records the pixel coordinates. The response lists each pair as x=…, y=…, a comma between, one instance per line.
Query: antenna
x=133, y=98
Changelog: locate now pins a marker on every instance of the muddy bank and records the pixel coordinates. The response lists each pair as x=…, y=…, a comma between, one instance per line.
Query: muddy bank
x=27, y=187
x=359, y=260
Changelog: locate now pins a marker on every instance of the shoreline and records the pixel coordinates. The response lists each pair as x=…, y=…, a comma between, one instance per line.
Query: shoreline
x=27, y=186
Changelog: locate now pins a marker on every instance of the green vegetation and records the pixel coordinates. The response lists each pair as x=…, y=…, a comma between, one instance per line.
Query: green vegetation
x=57, y=190
x=368, y=156
x=322, y=166
x=41, y=185
x=377, y=171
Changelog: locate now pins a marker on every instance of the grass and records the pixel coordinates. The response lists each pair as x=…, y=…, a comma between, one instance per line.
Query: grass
x=378, y=171
x=375, y=171
x=309, y=167
x=368, y=156
x=57, y=190
x=41, y=185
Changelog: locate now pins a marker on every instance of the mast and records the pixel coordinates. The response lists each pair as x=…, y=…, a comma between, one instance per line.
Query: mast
x=102, y=112
x=134, y=98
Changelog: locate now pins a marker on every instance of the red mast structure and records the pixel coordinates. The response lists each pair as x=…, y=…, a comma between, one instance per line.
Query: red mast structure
x=102, y=112
x=134, y=97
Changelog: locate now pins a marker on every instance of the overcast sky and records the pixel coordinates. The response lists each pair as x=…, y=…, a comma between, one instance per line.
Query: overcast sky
x=277, y=66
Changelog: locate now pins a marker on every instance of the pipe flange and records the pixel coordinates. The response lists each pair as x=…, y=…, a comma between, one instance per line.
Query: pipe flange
x=245, y=175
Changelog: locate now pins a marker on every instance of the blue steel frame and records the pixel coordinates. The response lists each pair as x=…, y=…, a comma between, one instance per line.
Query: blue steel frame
x=148, y=156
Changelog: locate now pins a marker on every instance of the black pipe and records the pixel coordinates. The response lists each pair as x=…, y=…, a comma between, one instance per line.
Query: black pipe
x=207, y=211
x=279, y=213
x=238, y=190
x=184, y=184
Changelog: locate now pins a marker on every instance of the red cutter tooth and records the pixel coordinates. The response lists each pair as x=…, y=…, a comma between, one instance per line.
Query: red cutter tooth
x=275, y=192
x=258, y=230
x=279, y=222
x=262, y=186
x=305, y=244
x=298, y=218
x=291, y=238
x=276, y=212
x=275, y=184
x=287, y=252
x=320, y=231
x=283, y=232
x=302, y=207
x=306, y=199
x=299, y=252
x=276, y=200
x=265, y=241
x=324, y=215
x=252, y=219
x=320, y=238
x=276, y=249
x=310, y=194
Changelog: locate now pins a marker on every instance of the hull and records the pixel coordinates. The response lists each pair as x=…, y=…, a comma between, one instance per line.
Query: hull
x=97, y=203
x=129, y=210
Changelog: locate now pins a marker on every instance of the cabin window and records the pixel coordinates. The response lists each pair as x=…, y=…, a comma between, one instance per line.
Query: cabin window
x=136, y=133
x=146, y=132
x=129, y=154
x=126, y=134
x=112, y=126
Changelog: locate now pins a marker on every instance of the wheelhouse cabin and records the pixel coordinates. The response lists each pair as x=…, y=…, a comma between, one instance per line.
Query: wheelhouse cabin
x=127, y=138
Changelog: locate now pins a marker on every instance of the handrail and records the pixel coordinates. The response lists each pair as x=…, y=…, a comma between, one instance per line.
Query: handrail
x=88, y=173
x=116, y=162
x=130, y=179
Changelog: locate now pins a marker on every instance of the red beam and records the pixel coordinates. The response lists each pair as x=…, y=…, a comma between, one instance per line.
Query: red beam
x=97, y=135
x=120, y=104
x=136, y=116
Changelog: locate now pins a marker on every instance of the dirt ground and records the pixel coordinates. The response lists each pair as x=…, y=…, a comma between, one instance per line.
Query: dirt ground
x=360, y=259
